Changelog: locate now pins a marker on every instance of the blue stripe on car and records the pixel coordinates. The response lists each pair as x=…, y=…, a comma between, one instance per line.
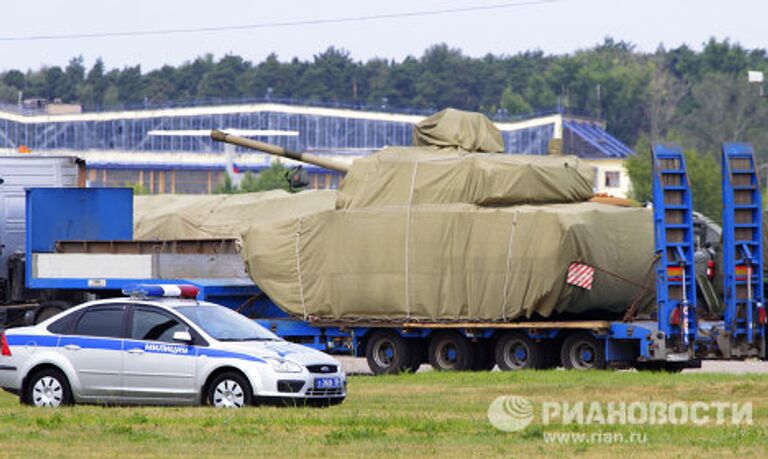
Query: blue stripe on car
x=217, y=353
x=107, y=344
x=32, y=340
x=111, y=344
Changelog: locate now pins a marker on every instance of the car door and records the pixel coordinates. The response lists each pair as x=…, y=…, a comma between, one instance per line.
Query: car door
x=94, y=349
x=155, y=366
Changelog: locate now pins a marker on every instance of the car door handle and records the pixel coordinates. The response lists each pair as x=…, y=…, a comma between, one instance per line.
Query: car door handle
x=72, y=347
x=136, y=350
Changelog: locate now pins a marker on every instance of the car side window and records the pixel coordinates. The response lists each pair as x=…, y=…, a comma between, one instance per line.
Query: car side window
x=64, y=325
x=153, y=325
x=101, y=321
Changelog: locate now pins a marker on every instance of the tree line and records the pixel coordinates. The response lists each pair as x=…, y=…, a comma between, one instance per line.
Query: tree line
x=698, y=98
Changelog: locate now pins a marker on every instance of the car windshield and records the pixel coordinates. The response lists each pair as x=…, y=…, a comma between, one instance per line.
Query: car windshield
x=225, y=324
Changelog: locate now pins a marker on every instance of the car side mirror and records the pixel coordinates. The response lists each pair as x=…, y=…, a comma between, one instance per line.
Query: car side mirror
x=182, y=336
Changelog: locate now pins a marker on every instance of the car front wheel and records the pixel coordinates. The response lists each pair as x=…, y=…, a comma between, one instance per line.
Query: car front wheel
x=229, y=390
x=47, y=388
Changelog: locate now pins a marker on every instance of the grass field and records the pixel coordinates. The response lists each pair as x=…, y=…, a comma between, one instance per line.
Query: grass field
x=415, y=415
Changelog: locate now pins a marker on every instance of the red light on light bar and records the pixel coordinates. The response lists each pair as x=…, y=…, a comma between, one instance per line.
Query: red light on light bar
x=188, y=291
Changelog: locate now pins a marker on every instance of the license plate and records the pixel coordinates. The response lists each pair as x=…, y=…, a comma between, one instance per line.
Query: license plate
x=327, y=383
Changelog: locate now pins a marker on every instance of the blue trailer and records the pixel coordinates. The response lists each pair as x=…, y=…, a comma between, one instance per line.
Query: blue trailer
x=80, y=240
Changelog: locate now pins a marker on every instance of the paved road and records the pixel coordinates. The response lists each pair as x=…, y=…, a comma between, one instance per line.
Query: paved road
x=354, y=365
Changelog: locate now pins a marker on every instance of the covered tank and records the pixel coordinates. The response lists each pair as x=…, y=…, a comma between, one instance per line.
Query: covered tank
x=451, y=230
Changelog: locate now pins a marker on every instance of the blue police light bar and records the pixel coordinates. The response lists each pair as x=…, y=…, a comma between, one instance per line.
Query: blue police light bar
x=162, y=290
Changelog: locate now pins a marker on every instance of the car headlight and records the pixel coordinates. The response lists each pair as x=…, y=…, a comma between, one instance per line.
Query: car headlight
x=284, y=366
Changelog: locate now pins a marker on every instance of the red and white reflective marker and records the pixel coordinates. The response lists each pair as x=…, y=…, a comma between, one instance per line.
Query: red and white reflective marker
x=581, y=275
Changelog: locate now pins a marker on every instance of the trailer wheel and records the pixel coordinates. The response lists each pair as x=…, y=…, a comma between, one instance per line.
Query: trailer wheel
x=582, y=351
x=450, y=350
x=517, y=351
x=387, y=353
x=46, y=313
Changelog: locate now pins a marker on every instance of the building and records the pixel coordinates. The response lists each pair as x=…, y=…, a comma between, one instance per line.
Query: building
x=167, y=150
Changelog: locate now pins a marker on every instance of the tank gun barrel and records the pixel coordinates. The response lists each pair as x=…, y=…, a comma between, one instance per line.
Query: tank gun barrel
x=276, y=150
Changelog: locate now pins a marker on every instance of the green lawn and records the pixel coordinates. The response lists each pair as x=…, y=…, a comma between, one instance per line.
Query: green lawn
x=417, y=415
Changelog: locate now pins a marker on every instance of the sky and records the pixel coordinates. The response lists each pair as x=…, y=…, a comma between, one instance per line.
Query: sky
x=498, y=27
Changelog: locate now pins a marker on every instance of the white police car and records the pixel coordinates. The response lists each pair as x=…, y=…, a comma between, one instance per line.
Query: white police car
x=148, y=350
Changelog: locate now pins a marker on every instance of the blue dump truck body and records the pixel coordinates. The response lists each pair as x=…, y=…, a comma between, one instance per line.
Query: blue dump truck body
x=678, y=337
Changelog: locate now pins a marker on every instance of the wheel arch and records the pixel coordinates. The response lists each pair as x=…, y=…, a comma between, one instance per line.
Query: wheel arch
x=41, y=366
x=226, y=368
x=51, y=360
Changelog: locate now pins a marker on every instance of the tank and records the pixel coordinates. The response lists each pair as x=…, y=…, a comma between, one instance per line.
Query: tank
x=449, y=229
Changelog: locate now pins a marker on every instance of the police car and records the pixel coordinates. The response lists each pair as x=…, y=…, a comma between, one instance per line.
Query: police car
x=161, y=346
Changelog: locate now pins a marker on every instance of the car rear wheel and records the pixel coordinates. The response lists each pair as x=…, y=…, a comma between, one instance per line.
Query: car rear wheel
x=47, y=388
x=229, y=390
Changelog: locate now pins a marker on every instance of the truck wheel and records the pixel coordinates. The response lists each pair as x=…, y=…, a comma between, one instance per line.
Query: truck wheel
x=582, y=351
x=484, y=357
x=517, y=351
x=387, y=353
x=49, y=309
x=450, y=350
x=46, y=313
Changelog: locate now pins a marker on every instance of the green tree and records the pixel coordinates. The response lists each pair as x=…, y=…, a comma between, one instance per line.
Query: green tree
x=725, y=109
x=14, y=79
x=129, y=85
x=8, y=94
x=514, y=103
x=272, y=178
x=75, y=78
x=223, y=80
x=226, y=187
x=96, y=83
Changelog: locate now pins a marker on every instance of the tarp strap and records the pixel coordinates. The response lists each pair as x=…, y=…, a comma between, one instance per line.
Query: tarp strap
x=508, y=270
x=298, y=266
x=629, y=314
x=408, y=241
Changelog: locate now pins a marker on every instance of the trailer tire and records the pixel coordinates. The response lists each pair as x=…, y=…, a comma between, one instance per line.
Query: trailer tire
x=582, y=351
x=517, y=351
x=388, y=353
x=450, y=351
x=46, y=313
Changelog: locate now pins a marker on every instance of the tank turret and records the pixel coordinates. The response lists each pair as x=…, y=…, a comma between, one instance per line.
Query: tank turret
x=277, y=150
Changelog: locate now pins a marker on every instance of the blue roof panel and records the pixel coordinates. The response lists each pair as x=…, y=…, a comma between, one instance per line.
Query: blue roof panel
x=603, y=144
